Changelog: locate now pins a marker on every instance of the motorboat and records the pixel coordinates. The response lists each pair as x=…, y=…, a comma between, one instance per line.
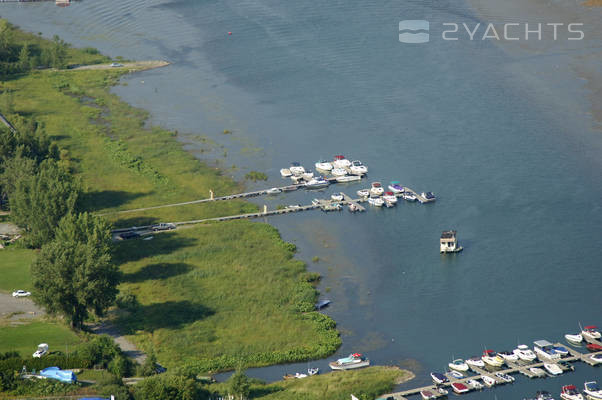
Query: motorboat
x=538, y=372
x=352, y=207
x=545, y=351
x=377, y=189
x=341, y=162
x=458, y=365
x=475, y=384
x=313, y=371
x=504, y=377
x=475, y=362
x=524, y=353
x=355, y=360
x=455, y=374
x=565, y=366
x=543, y=395
x=348, y=178
x=285, y=172
x=593, y=347
x=439, y=378
x=460, y=388
x=590, y=332
x=296, y=168
x=442, y=391
x=290, y=188
x=390, y=197
x=363, y=192
x=388, y=204
x=570, y=392
x=299, y=375
x=592, y=390
x=307, y=175
x=408, y=196
x=490, y=357
x=574, y=338
x=427, y=197
x=338, y=172
x=273, y=191
x=317, y=183
x=396, y=187
x=563, y=351
x=323, y=165
x=376, y=201
x=357, y=168
x=488, y=380
x=427, y=395
x=322, y=303
x=508, y=356
x=596, y=358
x=552, y=368
x=337, y=196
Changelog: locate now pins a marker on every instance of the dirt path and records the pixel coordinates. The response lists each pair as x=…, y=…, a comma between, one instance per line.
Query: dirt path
x=127, y=347
x=18, y=307
x=136, y=65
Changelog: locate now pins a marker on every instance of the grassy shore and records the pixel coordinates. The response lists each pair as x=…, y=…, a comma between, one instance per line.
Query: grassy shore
x=26, y=336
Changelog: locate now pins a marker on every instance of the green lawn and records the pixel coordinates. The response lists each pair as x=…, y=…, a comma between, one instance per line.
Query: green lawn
x=14, y=269
x=25, y=338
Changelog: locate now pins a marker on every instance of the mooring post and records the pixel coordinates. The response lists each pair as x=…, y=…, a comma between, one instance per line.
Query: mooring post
x=211, y=194
x=265, y=209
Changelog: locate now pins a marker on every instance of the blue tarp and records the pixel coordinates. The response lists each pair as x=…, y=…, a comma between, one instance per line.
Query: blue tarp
x=58, y=374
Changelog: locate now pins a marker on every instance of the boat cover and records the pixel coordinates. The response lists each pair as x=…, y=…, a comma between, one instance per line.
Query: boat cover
x=58, y=374
x=591, y=327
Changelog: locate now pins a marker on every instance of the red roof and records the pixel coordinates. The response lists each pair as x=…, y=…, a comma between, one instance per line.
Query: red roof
x=591, y=327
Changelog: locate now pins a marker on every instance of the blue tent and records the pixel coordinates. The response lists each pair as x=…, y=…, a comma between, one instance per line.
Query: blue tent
x=58, y=374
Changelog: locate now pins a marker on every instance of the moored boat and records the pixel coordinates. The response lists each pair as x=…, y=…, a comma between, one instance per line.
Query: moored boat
x=552, y=368
x=442, y=391
x=377, y=189
x=307, y=175
x=352, y=207
x=475, y=362
x=427, y=395
x=390, y=197
x=537, y=371
x=455, y=374
x=348, y=178
x=427, y=197
x=524, y=353
x=490, y=357
x=357, y=168
x=543, y=395
x=296, y=168
x=460, y=388
x=396, y=187
x=353, y=361
x=593, y=347
x=574, y=338
x=337, y=196
x=439, y=378
x=317, y=183
x=563, y=351
x=475, y=384
x=313, y=371
x=570, y=392
x=273, y=191
x=458, y=365
x=376, y=201
x=290, y=188
x=565, y=366
x=323, y=165
x=340, y=162
x=590, y=332
x=363, y=192
x=545, y=351
x=508, y=356
x=285, y=172
x=338, y=172
x=488, y=380
x=592, y=390
x=408, y=196
x=596, y=358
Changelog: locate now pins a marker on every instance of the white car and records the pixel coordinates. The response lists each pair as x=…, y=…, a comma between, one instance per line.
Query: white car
x=21, y=293
x=41, y=351
x=116, y=65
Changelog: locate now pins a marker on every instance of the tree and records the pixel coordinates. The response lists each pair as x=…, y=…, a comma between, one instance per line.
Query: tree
x=58, y=52
x=172, y=387
x=239, y=384
x=149, y=366
x=24, y=58
x=40, y=201
x=15, y=169
x=74, y=275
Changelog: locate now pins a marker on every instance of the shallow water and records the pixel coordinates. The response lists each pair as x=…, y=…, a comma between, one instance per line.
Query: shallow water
x=501, y=135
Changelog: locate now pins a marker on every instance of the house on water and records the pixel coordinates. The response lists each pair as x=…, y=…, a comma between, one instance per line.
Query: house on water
x=449, y=243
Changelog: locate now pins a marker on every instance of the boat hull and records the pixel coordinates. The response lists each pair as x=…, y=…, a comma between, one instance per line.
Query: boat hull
x=341, y=367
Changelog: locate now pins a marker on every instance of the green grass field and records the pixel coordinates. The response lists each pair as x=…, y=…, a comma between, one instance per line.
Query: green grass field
x=25, y=338
x=14, y=269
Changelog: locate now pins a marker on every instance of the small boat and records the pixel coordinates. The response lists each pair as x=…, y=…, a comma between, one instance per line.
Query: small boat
x=439, y=378
x=442, y=391
x=348, y=178
x=490, y=357
x=570, y=392
x=299, y=375
x=313, y=371
x=593, y=347
x=390, y=197
x=488, y=380
x=427, y=197
x=460, y=388
x=376, y=201
x=508, y=356
x=296, y=168
x=317, y=183
x=524, y=353
x=596, y=358
x=273, y=191
x=574, y=338
x=337, y=196
x=427, y=395
x=377, y=189
x=396, y=187
x=552, y=368
x=363, y=192
x=561, y=350
x=455, y=374
x=352, y=207
x=323, y=165
x=592, y=390
x=590, y=332
x=504, y=377
x=475, y=384
x=545, y=351
x=285, y=172
x=565, y=366
x=543, y=395
x=288, y=377
x=475, y=362
x=340, y=162
x=290, y=188
x=357, y=168
x=538, y=372
x=355, y=360
x=458, y=365
x=338, y=172
x=408, y=196
x=307, y=175
x=322, y=303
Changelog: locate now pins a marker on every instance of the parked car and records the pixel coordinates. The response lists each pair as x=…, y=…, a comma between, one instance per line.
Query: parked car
x=21, y=293
x=128, y=235
x=164, y=226
x=41, y=351
x=116, y=65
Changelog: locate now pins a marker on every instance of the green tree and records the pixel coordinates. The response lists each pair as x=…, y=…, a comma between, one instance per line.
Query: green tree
x=13, y=170
x=58, y=52
x=149, y=366
x=239, y=385
x=6, y=39
x=40, y=201
x=24, y=58
x=74, y=275
x=172, y=387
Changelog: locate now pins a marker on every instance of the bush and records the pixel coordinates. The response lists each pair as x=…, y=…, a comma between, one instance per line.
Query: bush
x=256, y=176
x=61, y=361
x=171, y=387
x=99, y=351
x=120, y=366
x=119, y=391
x=127, y=300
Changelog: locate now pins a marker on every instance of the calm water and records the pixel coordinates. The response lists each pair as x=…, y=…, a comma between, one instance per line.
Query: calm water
x=502, y=135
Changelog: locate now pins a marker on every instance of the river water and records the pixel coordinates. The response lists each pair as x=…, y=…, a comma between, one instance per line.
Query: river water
x=503, y=134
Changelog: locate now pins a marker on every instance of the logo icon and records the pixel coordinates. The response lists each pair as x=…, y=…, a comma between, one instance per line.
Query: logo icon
x=414, y=31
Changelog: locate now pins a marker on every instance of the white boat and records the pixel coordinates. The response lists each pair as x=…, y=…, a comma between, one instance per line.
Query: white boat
x=296, y=169
x=396, y=187
x=590, y=332
x=273, y=191
x=545, y=351
x=552, y=368
x=570, y=392
x=313, y=371
x=427, y=197
x=504, y=377
x=543, y=395
x=490, y=357
x=337, y=196
x=408, y=196
x=341, y=162
x=390, y=197
x=506, y=355
x=488, y=380
x=285, y=172
x=537, y=371
x=338, y=172
x=363, y=192
x=357, y=168
x=317, y=183
x=427, y=395
x=592, y=390
x=475, y=362
x=455, y=374
x=596, y=358
x=353, y=361
x=348, y=178
x=299, y=375
x=439, y=378
x=377, y=189
x=574, y=338
x=458, y=365
x=307, y=175
x=475, y=384
x=376, y=201
x=524, y=353
x=323, y=165
x=354, y=207
x=442, y=391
